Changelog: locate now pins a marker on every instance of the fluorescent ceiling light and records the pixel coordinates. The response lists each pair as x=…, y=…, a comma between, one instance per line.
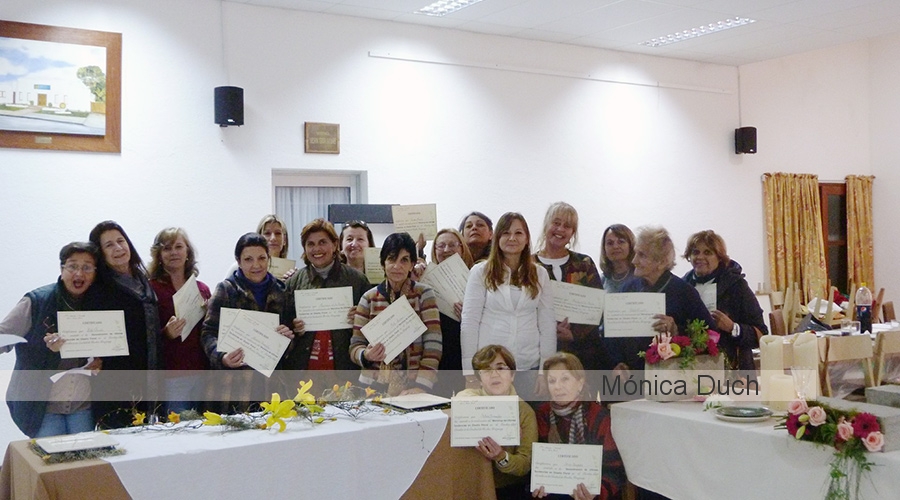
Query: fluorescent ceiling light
x=444, y=7
x=706, y=29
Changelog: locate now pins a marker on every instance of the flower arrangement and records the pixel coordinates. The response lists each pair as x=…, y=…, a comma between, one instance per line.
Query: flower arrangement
x=699, y=340
x=851, y=433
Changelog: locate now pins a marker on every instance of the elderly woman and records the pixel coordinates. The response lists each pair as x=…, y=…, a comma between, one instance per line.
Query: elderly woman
x=37, y=405
x=571, y=417
x=616, y=254
x=477, y=230
x=173, y=261
x=326, y=349
x=496, y=369
x=732, y=304
x=509, y=301
x=253, y=288
x=654, y=258
x=355, y=238
x=559, y=235
x=415, y=368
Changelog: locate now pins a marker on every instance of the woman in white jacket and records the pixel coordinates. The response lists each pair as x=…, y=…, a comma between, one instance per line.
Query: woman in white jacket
x=509, y=301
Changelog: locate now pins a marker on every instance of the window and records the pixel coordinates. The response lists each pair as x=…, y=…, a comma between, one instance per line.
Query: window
x=303, y=195
x=833, y=198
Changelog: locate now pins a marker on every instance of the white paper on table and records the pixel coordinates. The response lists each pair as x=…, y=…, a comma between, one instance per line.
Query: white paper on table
x=324, y=308
x=374, y=271
x=415, y=220
x=415, y=401
x=81, y=370
x=7, y=339
x=253, y=331
x=396, y=327
x=583, y=305
x=92, y=334
x=279, y=267
x=76, y=442
x=559, y=468
x=189, y=306
x=448, y=279
x=707, y=293
x=631, y=314
x=475, y=418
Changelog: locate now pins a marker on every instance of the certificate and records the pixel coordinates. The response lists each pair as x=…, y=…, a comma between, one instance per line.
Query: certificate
x=396, y=327
x=324, y=308
x=415, y=220
x=449, y=282
x=631, y=314
x=7, y=339
x=92, y=334
x=583, y=305
x=254, y=331
x=707, y=293
x=189, y=306
x=559, y=468
x=374, y=271
x=475, y=418
x=279, y=267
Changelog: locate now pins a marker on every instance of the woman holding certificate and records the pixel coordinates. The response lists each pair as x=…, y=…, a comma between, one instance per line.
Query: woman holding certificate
x=732, y=304
x=477, y=230
x=356, y=237
x=559, y=235
x=414, y=369
x=173, y=263
x=571, y=417
x=616, y=254
x=496, y=368
x=37, y=405
x=509, y=302
x=448, y=243
x=251, y=288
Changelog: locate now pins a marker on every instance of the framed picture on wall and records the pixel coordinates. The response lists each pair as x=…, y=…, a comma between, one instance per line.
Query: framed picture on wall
x=61, y=89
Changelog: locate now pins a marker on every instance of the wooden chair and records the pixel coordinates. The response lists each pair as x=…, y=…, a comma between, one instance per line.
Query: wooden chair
x=852, y=348
x=876, y=306
x=776, y=322
x=886, y=343
x=887, y=310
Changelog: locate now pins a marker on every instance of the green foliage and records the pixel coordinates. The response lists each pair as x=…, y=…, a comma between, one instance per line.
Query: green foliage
x=95, y=80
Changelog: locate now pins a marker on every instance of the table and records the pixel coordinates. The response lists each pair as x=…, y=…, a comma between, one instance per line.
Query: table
x=682, y=452
x=379, y=456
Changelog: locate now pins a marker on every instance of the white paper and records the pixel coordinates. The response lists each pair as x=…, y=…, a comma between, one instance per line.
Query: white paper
x=374, y=271
x=559, y=468
x=707, y=293
x=279, y=267
x=92, y=334
x=254, y=331
x=189, y=306
x=396, y=327
x=76, y=442
x=631, y=314
x=475, y=418
x=7, y=339
x=324, y=308
x=415, y=401
x=583, y=305
x=448, y=279
x=82, y=370
x=415, y=220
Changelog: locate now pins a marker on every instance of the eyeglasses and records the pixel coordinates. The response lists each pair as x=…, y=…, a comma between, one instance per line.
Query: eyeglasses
x=496, y=369
x=74, y=268
x=355, y=223
x=447, y=246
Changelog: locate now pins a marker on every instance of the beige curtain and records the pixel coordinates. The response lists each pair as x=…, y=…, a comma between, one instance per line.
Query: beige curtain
x=794, y=233
x=860, y=262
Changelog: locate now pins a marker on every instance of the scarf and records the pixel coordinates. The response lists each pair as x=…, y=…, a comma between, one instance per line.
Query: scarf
x=574, y=414
x=693, y=279
x=259, y=290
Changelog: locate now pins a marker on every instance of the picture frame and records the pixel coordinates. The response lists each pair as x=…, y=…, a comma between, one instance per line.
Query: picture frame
x=322, y=138
x=104, y=114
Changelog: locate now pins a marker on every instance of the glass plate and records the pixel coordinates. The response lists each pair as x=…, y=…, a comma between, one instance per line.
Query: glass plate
x=743, y=413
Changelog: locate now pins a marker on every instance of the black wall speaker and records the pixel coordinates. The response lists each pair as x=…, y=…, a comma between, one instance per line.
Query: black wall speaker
x=745, y=140
x=229, y=106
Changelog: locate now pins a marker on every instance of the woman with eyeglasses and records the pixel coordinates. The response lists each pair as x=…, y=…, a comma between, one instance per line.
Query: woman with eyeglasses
x=355, y=238
x=38, y=406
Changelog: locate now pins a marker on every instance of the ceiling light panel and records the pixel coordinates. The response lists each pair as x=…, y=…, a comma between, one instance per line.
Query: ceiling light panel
x=705, y=29
x=443, y=7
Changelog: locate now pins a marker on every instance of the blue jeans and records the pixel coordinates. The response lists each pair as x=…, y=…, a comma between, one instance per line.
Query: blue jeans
x=182, y=393
x=56, y=424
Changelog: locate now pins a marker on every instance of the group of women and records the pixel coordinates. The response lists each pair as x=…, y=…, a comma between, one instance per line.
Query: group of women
x=502, y=332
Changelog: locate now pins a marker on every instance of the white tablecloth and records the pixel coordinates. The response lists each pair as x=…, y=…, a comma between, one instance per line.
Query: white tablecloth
x=377, y=456
x=682, y=452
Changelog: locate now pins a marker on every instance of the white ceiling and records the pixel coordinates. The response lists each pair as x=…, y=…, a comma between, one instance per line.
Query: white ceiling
x=782, y=27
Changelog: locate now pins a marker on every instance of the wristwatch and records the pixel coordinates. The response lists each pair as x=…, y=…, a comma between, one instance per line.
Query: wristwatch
x=503, y=462
x=736, y=330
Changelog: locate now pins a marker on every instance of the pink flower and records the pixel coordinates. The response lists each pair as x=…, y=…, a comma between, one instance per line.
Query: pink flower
x=874, y=441
x=681, y=340
x=713, y=335
x=817, y=416
x=793, y=425
x=664, y=349
x=799, y=407
x=712, y=348
x=865, y=423
x=844, y=430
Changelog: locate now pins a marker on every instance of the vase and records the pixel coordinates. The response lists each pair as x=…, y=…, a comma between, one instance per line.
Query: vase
x=664, y=381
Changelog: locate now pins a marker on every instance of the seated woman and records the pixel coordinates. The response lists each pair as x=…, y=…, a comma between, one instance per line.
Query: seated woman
x=415, y=368
x=496, y=369
x=571, y=417
x=477, y=230
x=173, y=261
x=253, y=288
x=616, y=254
x=356, y=237
x=654, y=258
x=559, y=235
x=37, y=405
x=736, y=312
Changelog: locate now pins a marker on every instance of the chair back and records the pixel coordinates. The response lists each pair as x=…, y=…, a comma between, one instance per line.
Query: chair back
x=887, y=310
x=777, y=299
x=776, y=323
x=886, y=343
x=876, y=306
x=849, y=348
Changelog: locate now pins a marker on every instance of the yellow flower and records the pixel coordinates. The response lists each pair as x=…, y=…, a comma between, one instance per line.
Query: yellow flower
x=212, y=418
x=278, y=410
x=336, y=388
x=138, y=418
x=303, y=396
x=319, y=420
x=347, y=385
x=370, y=391
x=174, y=417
